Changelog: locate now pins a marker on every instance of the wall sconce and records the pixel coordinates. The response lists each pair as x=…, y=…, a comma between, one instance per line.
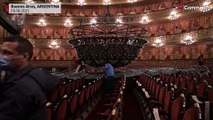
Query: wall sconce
x=41, y=22
x=145, y=19
x=106, y=2
x=173, y=15
x=54, y=44
x=206, y=7
x=158, y=42
x=188, y=38
x=29, y=1
x=68, y=23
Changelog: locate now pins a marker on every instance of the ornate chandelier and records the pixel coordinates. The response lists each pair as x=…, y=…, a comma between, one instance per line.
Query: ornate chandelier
x=107, y=39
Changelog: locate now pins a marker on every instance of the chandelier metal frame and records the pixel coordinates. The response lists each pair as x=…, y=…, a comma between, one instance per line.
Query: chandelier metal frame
x=107, y=40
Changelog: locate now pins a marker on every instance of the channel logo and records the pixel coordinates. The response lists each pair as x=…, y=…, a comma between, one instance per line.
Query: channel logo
x=180, y=7
x=186, y=7
x=7, y=9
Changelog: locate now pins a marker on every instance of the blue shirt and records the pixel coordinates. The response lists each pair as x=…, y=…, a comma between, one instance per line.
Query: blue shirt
x=109, y=69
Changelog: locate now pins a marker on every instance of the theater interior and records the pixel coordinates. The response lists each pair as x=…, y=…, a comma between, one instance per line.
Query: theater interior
x=161, y=51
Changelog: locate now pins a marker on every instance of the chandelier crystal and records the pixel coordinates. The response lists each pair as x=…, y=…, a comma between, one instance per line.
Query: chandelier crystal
x=93, y=22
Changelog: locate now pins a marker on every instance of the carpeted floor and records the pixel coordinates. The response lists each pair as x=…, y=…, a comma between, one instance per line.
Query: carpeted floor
x=131, y=109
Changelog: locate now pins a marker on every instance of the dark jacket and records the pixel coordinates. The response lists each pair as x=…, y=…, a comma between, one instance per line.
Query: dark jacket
x=23, y=96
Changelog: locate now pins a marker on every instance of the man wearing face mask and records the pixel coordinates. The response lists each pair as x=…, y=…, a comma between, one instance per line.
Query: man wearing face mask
x=24, y=89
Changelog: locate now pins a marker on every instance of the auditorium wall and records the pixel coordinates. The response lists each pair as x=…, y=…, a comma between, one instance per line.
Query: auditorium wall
x=177, y=52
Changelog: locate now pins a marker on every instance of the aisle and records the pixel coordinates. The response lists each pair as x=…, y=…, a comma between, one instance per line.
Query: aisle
x=131, y=109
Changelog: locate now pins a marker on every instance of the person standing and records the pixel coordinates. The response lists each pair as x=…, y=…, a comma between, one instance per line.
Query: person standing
x=24, y=89
x=108, y=83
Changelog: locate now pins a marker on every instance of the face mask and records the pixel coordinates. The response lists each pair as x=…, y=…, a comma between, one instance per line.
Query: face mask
x=4, y=63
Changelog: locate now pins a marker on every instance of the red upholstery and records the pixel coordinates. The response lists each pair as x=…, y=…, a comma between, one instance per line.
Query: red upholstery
x=176, y=108
x=81, y=98
x=73, y=102
x=62, y=90
x=183, y=83
x=92, y=89
x=210, y=95
x=54, y=95
x=49, y=113
x=201, y=90
x=191, y=87
x=61, y=109
x=87, y=93
x=167, y=100
x=191, y=114
x=73, y=86
x=68, y=87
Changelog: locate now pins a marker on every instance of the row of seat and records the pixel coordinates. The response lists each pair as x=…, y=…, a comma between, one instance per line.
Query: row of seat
x=71, y=105
x=154, y=93
x=181, y=84
x=65, y=87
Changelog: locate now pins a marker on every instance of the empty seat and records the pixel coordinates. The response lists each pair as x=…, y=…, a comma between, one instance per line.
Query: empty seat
x=176, y=108
x=60, y=109
x=191, y=114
